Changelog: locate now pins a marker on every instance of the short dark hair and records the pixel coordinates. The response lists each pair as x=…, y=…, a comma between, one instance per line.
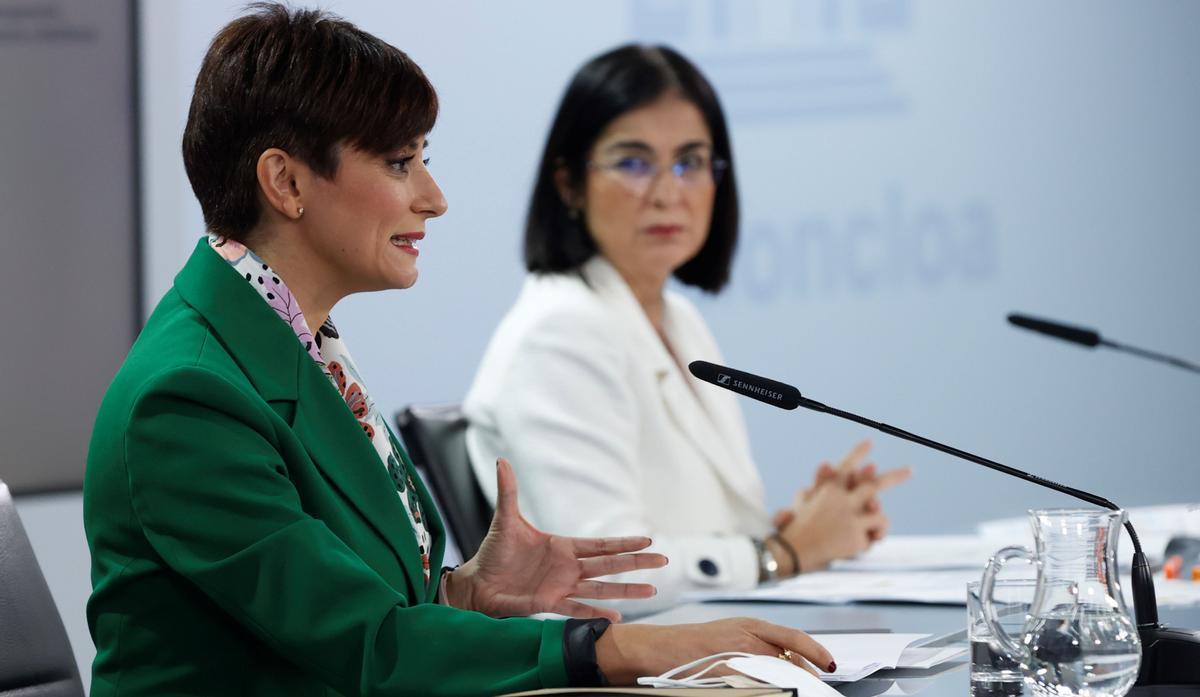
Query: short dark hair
x=606, y=87
x=306, y=82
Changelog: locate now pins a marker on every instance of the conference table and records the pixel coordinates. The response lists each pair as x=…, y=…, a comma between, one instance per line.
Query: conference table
x=942, y=681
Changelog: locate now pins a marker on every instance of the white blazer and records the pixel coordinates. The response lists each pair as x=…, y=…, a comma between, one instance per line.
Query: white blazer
x=610, y=436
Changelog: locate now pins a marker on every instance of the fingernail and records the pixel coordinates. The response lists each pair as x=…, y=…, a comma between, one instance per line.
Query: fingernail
x=832, y=667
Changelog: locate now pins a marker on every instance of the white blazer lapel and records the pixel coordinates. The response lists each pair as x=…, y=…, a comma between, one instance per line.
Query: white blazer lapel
x=711, y=420
x=701, y=427
x=695, y=418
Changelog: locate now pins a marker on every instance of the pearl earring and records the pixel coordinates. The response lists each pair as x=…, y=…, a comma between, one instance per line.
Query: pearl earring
x=300, y=212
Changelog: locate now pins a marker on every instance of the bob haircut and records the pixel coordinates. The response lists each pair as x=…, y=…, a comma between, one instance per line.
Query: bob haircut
x=305, y=82
x=609, y=85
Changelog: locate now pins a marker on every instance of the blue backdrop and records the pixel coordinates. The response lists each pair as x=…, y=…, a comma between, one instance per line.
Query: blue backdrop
x=911, y=172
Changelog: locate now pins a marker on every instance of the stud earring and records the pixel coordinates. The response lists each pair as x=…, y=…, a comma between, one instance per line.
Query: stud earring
x=300, y=213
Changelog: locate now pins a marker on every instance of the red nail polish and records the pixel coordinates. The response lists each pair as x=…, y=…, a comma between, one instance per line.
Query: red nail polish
x=832, y=667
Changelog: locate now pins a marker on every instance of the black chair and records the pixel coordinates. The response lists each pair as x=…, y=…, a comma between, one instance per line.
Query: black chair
x=436, y=438
x=35, y=653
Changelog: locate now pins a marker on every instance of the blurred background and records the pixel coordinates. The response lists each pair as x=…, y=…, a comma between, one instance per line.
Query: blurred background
x=911, y=171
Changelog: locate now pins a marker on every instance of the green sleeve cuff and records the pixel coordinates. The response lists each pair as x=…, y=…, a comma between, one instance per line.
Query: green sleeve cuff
x=551, y=668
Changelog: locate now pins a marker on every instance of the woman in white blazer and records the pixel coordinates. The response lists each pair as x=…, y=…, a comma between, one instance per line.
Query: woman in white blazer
x=584, y=382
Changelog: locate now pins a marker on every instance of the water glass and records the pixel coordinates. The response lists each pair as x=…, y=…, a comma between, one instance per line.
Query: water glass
x=993, y=672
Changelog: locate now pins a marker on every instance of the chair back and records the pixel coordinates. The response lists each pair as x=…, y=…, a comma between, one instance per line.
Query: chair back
x=436, y=438
x=35, y=653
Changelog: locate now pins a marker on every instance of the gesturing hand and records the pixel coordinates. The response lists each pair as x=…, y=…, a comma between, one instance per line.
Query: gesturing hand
x=520, y=570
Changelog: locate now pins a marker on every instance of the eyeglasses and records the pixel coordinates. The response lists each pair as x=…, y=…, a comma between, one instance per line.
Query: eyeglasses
x=693, y=171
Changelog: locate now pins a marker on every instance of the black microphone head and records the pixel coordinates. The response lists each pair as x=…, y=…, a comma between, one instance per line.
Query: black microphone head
x=772, y=392
x=1075, y=335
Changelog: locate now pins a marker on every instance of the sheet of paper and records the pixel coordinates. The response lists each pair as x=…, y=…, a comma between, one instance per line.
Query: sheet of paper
x=782, y=674
x=1155, y=526
x=1172, y=592
x=859, y=655
x=947, y=587
x=921, y=657
x=934, y=586
x=922, y=552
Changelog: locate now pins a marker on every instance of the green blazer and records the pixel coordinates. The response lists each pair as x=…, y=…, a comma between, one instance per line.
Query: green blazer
x=245, y=538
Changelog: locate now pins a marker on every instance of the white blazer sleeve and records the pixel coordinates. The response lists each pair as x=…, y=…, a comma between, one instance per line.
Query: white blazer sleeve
x=564, y=414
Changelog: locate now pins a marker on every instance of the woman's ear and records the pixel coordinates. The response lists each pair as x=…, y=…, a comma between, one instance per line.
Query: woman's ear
x=279, y=176
x=570, y=198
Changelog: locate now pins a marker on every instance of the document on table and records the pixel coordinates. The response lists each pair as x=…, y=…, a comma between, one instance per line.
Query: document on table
x=766, y=691
x=1155, y=524
x=860, y=655
x=1169, y=592
x=922, y=552
x=945, y=587
x=940, y=587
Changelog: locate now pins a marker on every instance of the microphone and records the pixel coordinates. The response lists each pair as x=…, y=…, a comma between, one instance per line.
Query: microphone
x=772, y=392
x=1076, y=335
x=1091, y=339
x=1169, y=656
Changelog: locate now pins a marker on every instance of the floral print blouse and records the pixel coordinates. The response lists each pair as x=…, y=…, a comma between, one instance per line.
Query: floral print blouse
x=330, y=353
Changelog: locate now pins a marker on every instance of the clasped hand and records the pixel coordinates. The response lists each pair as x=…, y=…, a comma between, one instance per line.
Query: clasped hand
x=520, y=570
x=840, y=515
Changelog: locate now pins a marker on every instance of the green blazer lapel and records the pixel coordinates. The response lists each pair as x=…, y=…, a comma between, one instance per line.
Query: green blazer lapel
x=336, y=443
x=433, y=521
x=262, y=345
x=279, y=368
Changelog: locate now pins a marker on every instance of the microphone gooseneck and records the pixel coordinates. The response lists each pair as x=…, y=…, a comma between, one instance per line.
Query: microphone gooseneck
x=1145, y=604
x=1091, y=339
x=1170, y=656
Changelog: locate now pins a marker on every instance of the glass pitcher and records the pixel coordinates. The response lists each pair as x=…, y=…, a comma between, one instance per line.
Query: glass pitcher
x=1078, y=638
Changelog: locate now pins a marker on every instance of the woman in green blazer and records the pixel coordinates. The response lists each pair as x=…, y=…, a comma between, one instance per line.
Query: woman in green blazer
x=255, y=528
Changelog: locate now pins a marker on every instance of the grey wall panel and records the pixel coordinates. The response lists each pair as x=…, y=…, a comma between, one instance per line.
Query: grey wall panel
x=68, y=228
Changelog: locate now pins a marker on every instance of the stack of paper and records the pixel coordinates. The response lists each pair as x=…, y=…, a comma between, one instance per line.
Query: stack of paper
x=941, y=587
x=947, y=587
x=936, y=568
x=761, y=691
x=859, y=655
x=924, y=553
x=1155, y=525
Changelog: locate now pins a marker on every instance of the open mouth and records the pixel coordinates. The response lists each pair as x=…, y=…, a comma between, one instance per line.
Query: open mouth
x=407, y=241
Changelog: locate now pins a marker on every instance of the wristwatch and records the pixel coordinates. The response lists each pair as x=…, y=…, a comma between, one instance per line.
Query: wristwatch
x=768, y=565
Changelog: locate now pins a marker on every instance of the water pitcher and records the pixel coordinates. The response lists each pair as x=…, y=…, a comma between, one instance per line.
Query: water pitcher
x=1078, y=638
